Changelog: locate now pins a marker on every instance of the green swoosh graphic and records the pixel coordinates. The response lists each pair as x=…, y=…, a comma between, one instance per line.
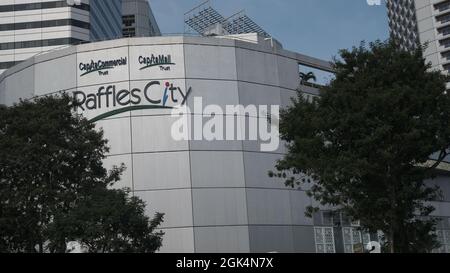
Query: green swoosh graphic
x=152, y=65
x=126, y=109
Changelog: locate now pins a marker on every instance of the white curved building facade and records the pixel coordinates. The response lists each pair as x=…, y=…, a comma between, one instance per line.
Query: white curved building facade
x=216, y=195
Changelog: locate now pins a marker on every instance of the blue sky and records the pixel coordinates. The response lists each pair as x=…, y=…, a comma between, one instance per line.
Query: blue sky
x=314, y=27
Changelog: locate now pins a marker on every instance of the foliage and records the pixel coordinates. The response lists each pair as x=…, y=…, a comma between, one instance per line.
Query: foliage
x=364, y=143
x=306, y=77
x=51, y=170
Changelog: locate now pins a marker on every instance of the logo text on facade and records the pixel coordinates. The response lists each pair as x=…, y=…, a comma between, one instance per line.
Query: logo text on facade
x=101, y=66
x=162, y=61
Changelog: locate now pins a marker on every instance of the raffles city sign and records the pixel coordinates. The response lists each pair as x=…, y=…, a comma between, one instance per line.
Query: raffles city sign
x=114, y=100
x=214, y=123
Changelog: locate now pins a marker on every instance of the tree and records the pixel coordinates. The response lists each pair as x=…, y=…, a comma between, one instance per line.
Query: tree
x=364, y=143
x=50, y=169
x=108, y=221
x=306, y=77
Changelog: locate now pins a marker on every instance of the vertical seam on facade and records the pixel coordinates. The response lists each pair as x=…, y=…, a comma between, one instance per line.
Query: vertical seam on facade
x=242, y=145
x=281, y=91
x=131, y=123
x=189, y=153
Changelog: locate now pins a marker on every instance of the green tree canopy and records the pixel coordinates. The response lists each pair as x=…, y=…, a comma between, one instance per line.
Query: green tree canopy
x=54, y=188
x=364, y=143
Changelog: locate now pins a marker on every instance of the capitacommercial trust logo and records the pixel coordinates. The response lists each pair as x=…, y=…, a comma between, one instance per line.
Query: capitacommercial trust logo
x=102, y=67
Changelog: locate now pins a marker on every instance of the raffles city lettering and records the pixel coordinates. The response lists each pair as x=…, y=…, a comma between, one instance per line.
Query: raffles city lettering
x=154, y=93
x=102, y=67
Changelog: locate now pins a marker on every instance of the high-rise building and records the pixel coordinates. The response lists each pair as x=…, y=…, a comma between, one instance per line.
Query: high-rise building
x=403, y=22
x=415, y=22
x=425, y=21
x=138, y=19
x=106, y=19
x=30, y=27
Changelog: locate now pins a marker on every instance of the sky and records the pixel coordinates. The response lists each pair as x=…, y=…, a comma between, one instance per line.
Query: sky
x=318, y=28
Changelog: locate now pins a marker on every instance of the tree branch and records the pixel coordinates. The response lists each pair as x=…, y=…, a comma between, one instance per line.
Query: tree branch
x=441, y=158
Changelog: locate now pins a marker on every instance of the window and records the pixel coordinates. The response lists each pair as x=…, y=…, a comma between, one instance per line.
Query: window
x=445, y=55
x=443, y=18
x=445, y=43
x=444, y=30
x=129, y=32
x=45, y=24
x=44, y=5
x=128, y=20
x=354, y=240
x=442, y=6
x=6, y=65
x=446, y=67
x=336, y=232
x=443, y=235
x=39, y=43
x=324, y=238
